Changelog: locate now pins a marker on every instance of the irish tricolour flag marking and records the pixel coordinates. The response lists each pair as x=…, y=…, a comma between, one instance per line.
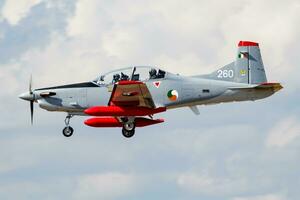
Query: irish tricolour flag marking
x=172, y=95
x=243, y=55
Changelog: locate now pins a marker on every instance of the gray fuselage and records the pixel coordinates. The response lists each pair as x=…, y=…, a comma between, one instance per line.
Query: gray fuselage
x=75, y=98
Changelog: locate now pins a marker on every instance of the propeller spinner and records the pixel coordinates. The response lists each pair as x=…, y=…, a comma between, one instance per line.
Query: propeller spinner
x=29, y=96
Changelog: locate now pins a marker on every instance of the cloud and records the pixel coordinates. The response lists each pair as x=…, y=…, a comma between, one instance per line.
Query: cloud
x=105, y=186
x=15, y=10
x=256, y=20
x=230, y=185
x=200, y=46
x=262, y=197
x=83, y=23
x=223, y=152
x=284, y=132
x=205, y=184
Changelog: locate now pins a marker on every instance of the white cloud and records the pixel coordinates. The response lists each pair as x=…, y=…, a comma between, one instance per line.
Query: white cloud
x=284, y=133
x=273, y=24
x=193, y=37
x=262, y=197
x=105, y=186
x=168, y=32
x=85, y=21
x=205, y=184
x=8, y=76
x=14, y=10
x=221, y=183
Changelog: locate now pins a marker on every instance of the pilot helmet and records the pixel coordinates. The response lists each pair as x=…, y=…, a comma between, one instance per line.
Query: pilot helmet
x=152, y=72
x=116, y=76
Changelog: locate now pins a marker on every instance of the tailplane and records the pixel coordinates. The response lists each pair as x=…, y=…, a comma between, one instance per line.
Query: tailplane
x=247, y=68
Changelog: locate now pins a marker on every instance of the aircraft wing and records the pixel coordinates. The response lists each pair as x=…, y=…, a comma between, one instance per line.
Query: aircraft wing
x=131, y=93
x=128, y=98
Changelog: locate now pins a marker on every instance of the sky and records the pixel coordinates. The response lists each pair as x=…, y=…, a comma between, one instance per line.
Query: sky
x=234, y=151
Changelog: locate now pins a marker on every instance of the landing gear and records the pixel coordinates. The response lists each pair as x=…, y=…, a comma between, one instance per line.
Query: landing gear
x=68, y=130
x=128, y=129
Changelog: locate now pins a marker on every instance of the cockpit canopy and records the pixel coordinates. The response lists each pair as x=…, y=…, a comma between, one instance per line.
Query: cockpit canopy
x=143, y=73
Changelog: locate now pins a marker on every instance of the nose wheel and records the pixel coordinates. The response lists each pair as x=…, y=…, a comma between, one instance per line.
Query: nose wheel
x=128, y=129
x=68, y=130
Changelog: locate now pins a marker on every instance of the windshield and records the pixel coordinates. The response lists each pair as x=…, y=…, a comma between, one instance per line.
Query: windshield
x=130, y=73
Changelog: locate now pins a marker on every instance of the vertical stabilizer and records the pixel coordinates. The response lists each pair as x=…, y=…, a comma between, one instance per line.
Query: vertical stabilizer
x=247, y=68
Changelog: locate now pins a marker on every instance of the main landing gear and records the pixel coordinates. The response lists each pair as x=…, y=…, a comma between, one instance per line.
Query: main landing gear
x=128, y=129
x=68, y=130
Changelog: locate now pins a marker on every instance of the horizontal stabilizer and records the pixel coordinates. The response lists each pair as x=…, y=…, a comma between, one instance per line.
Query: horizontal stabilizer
x=275, y=86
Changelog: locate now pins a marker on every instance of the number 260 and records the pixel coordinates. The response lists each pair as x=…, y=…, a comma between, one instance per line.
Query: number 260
x=225, y=73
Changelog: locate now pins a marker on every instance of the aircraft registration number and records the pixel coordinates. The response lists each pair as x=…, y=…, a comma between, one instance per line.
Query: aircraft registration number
x=225, y=73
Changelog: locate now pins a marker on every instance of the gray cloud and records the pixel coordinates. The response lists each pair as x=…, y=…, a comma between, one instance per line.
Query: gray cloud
x=33, y=31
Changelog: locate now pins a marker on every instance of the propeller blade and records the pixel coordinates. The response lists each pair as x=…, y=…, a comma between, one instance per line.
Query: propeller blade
x=31, y=111
x=30, y=84
x=31, y=102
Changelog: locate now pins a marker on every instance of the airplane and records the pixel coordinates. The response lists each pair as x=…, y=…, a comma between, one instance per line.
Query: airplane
x=129, y=97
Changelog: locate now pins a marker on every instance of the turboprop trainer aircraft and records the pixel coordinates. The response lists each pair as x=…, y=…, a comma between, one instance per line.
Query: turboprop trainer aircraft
x=129, y=97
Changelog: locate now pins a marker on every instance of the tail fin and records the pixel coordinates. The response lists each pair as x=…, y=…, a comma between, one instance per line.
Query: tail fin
x=247, y=68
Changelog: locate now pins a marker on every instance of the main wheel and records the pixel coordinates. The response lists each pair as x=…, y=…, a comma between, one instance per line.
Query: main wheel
x=127, y=133
x=68, y=131
x=129, y=126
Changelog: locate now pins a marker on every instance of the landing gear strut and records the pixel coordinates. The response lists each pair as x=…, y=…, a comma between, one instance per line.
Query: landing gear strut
x=128, y=129
x=68, y=130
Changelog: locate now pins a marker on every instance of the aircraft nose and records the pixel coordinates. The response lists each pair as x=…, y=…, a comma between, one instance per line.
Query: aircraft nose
x=26, y=96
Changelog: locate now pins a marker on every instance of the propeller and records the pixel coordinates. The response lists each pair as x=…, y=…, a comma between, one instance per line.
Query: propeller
x=31, y=97
x=32, y=100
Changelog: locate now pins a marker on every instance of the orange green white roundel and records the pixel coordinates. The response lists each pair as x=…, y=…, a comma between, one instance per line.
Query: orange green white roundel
x=172, y=95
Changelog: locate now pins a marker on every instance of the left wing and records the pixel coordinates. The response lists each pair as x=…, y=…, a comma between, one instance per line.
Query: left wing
x=131, y=93
x=128, y=98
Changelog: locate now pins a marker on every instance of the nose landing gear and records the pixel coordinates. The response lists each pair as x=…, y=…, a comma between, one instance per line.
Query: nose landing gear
x=68, y=130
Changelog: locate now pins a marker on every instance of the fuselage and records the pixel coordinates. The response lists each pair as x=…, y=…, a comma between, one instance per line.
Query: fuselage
x=190, y=91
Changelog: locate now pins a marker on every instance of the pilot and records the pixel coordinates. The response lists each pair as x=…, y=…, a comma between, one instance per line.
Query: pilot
x=161, y=74
x=152, y=73
x=116, y=78
x=124, y=77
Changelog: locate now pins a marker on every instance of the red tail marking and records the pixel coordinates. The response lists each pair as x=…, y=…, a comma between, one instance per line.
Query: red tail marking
x=247, y=43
